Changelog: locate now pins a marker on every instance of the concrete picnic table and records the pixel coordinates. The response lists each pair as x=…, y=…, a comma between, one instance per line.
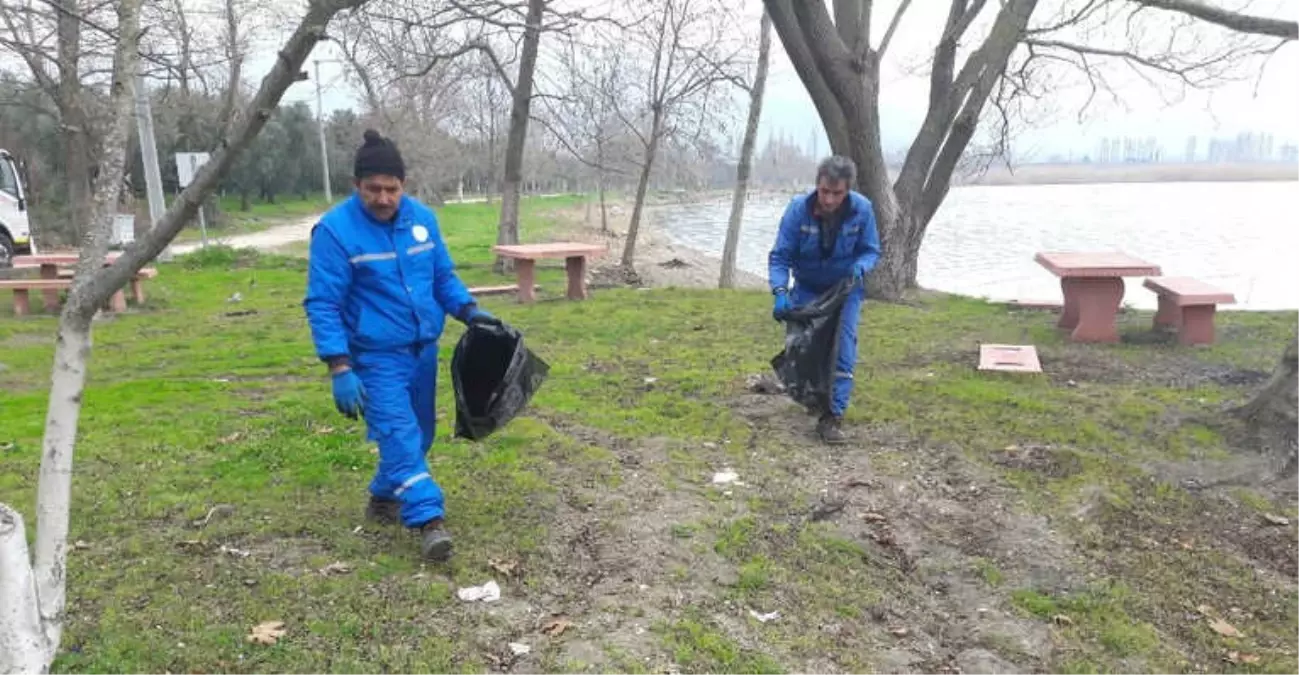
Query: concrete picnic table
x=49, y=264
x=525, y=258
x=1093, y=289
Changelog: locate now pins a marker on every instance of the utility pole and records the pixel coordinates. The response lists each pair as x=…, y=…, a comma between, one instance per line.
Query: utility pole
x=324, y=150
x=149, y=156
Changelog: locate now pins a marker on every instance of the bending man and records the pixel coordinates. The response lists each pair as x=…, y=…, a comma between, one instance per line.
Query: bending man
x=379, y=287
x=825, y=236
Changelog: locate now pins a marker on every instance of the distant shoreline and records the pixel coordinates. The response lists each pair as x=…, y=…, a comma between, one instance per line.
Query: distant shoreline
x=1056, y=174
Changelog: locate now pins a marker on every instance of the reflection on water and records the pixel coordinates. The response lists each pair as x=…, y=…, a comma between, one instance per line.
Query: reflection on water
x=1240, y=236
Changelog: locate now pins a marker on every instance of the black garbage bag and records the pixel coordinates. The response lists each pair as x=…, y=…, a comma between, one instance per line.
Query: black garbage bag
x=494, y=376
x=806, y=367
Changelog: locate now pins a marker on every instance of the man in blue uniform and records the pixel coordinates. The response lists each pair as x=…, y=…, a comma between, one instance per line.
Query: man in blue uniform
x=825, y=236
x=379, y=286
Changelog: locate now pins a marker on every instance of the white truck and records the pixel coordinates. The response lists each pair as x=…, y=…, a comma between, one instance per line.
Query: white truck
x=15, y=227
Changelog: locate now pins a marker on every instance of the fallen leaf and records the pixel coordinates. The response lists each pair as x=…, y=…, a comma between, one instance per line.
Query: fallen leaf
x=267, y=633
x=900, y=632
x=505, y=567
x=336, y=568
x=1238, y=658
x=1274, y=519
x=556, y=627
x=1223, y=628
x=1062, y=620
x=1205, y=610
x=871, y=516
x=227, y=440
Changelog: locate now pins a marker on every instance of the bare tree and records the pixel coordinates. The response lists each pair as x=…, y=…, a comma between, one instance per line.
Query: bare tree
x=1273, y=412
x=520, y=107
x=742, y=171
x=32, y=607
x=841, y=70
x=683, y=40
x=581, y=116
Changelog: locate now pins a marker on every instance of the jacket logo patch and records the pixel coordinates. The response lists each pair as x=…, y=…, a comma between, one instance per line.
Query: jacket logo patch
x=420, y=233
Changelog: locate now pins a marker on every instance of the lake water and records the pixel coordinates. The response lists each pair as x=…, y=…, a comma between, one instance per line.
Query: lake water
x=1240, y=236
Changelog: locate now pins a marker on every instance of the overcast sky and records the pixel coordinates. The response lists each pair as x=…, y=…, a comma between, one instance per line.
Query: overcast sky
x=1269, y=104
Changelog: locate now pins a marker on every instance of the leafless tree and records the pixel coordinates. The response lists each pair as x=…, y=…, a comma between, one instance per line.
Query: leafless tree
x=1273, y=412
x=587, y=80
x=684, y=44
x=840, y=67
x=743, y=169
x=33, y=596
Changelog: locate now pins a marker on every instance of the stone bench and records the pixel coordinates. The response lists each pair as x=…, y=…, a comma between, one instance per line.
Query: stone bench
x=22, y=289
x=525, y=258
x=1188, y=305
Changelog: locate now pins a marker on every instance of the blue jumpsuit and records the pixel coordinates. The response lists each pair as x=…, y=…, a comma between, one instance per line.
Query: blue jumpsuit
x=379, y=293
x=798, y=250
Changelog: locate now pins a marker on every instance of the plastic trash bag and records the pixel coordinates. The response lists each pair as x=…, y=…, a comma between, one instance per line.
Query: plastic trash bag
x=494, y=376
x=806, y=367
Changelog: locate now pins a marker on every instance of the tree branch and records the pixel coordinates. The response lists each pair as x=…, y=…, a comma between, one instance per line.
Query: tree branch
x=1237, y=21
x=893, y=27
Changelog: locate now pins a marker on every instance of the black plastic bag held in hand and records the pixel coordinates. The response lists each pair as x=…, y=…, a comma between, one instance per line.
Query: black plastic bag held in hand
x=494, y=376
x=806, y=367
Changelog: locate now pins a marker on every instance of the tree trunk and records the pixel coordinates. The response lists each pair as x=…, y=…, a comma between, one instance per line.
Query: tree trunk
x=23, y=647
x=1274, y=411
x=72, y=116
x=44, y=583
x=642, y=186
x=508, y=230
x=742, y=171
x=604, y=206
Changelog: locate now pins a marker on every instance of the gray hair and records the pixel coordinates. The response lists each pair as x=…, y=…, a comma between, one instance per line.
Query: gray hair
x=837, y=168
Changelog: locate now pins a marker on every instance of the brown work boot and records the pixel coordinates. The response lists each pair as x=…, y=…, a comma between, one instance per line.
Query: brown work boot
x=829, y=428
x=435, y=543
x=383, y=511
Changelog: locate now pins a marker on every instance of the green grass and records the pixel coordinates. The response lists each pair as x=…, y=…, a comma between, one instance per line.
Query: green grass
x=214, y=481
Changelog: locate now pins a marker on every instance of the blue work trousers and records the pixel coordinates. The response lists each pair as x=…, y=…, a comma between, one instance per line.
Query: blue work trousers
x=400, y=415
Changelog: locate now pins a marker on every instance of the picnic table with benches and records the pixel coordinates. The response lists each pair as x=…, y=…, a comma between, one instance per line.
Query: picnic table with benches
x=525, y=258
x=55, y=276
x=1093, y=289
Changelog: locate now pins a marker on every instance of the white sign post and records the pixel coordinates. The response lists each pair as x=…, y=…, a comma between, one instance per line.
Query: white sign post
x=187, y=166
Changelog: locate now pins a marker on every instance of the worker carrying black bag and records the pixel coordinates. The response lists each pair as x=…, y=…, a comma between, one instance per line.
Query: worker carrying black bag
x=494, y=376
x=806, y=367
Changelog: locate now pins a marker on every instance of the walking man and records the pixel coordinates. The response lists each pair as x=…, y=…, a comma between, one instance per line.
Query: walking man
x=379, y=286
x=825, y=236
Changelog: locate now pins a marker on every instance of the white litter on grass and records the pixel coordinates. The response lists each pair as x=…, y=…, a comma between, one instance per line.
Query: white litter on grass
x=725, y=477
x=519, y=648
x=764, y=618
x=488, y=592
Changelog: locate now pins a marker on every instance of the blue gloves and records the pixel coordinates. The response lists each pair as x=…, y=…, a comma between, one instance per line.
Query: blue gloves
x=349, y=394
x=475, y=316
x=859, y=274
x=783, y=306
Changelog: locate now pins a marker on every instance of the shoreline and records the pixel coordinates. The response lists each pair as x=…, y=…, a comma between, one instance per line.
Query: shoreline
x=660, y=262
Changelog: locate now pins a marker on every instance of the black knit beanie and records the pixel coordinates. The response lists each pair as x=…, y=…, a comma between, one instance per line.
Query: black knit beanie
x=379, y=156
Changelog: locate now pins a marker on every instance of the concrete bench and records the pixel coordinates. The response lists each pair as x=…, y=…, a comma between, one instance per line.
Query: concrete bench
x=137, y=281
x=525, y=258
x=1092, y=283
x=481, y=291
x=1188, y=305
x=22, y=289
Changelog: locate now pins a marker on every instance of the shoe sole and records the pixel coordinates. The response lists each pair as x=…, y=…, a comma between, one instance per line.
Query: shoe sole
x=439, y=552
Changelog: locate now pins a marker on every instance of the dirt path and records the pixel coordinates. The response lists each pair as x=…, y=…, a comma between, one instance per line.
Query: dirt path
x=266, y=240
